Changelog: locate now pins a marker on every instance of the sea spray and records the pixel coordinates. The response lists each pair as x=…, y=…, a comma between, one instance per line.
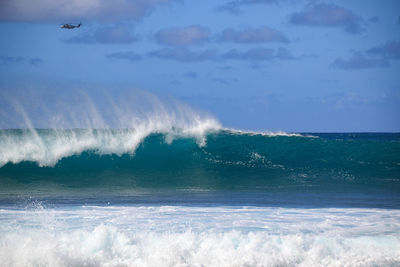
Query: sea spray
x=105, y=124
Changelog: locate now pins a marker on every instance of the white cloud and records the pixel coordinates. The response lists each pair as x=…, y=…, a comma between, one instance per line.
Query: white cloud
x=328, y=15
x=183, y=36
x=43, y=11
x=252, y=35
x=184, y=54
x=119, y=34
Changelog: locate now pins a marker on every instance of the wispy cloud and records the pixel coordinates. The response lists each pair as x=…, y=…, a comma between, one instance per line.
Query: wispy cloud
x=105, y=35
x=359, y=61
x=374, y=19
x=220, y=81
x=258, y=54
x=183, y=36
x=184, y=54
x=76, y=10
x=376, y=57
x=252, y=36
x=328, y=15
x=255, y=54
x=190, y=75
x=35, y=61
x=9, y=60
x=389, y=50
x=235, y=7
x=128, y=55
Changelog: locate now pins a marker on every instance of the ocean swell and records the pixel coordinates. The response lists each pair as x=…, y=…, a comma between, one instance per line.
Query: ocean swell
x=207, y=159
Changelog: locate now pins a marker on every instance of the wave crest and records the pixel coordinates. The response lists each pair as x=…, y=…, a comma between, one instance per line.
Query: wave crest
x=105, y=124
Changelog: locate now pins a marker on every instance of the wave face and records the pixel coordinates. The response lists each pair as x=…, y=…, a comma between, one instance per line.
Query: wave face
x=205, y=159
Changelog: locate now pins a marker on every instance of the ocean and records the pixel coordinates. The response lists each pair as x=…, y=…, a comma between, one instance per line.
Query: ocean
x=200, y=196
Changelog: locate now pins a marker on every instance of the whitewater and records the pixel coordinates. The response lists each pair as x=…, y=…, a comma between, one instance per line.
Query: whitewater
x=198, y=236
x=150, y=181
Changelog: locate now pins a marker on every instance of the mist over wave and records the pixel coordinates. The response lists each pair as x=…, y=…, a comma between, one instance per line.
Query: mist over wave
x=54, y=124
x=102, y=123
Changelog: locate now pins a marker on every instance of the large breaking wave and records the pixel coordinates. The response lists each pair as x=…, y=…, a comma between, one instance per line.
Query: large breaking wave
x=140, y=141
x=124, y=160
x=78, y=122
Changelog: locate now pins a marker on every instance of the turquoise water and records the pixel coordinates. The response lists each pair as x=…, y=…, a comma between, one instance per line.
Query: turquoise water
x=223, y=166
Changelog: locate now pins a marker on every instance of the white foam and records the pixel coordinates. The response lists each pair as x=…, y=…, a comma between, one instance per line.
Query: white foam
x=267, y=133
x=190, y=236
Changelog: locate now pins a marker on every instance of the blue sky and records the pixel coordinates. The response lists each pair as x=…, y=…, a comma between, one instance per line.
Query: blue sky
x=286, y=65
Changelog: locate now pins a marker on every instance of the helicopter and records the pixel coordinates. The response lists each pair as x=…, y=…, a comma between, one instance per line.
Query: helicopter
x=70, y=26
